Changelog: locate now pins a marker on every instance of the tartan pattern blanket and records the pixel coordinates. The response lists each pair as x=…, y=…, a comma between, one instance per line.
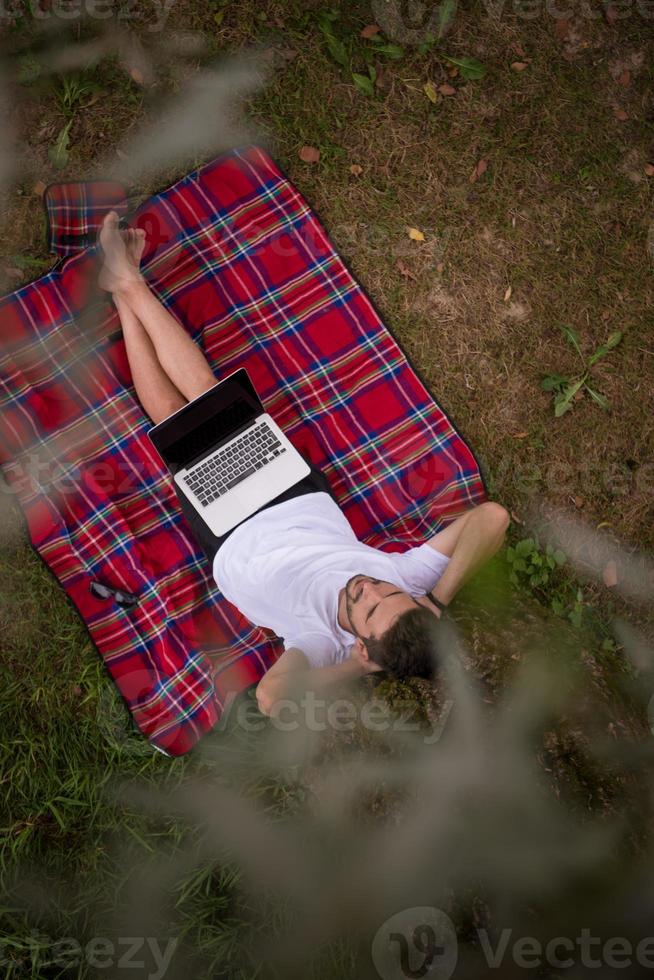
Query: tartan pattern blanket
x=237, y=255
x=75, y=210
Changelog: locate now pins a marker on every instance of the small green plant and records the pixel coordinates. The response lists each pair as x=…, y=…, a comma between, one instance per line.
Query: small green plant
x=72, y=89
x=336, y=47
x=60, y=149
x=535, y=571
x=469, y=68
x=341, y=54
x=565, y=388
x=529, y=564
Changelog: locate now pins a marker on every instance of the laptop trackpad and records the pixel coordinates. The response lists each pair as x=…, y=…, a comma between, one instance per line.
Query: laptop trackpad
x=253, y=492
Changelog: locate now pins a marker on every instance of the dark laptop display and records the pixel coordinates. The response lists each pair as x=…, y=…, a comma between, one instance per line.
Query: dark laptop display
x=216, y=415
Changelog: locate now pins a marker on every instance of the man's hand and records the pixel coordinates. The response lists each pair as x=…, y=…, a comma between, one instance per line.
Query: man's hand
x=292, y=674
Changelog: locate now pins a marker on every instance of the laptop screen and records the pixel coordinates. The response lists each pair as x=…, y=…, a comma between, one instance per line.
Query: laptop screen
x=208, y=420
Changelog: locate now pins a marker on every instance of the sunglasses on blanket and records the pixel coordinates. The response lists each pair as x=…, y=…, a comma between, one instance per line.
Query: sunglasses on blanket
x=124, y=599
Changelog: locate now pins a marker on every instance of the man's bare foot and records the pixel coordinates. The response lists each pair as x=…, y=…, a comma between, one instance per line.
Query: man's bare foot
x=122, y=252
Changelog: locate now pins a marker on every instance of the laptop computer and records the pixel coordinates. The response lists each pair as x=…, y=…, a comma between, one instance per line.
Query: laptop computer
x=227, y=455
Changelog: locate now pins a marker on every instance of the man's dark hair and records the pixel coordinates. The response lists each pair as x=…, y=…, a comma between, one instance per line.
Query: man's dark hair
x=408, y=647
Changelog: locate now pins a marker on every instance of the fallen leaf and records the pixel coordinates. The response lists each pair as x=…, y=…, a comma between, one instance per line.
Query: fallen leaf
x=516, y=518
x=404, y=270
x=561, y=28
x=39, y=188
x=519, y=50
x=603, y=524
x=519, y=65
x=579, y=501
x=370, y=30
x=453, y=71
x=610, y=574
x=137, y=75
x=309, y=154
x=430, y=91
x=415, y=235
x=620, y=113
x=649, y=169
x=520, y=435
x=356, y=169
x=606, y=315
x=479, y=170
x=439, y=267
x=611, y=15
x=624, y=78
x=447, y=89
x=507, y=294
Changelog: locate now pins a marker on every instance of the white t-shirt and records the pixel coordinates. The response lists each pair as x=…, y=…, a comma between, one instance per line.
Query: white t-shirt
x=284, y=568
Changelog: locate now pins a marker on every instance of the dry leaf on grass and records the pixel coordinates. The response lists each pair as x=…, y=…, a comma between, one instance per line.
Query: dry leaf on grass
x=610, y=574
x=430, y=91
x=415, y=234
x=309, y=154
x=520, y=435
x=561, y=29
x=620, y=113
x=370, y=30
x=405, y=271
x=479, y=171
x=610, y=14
x=649, y=169
x=624, y=78
x=453, y=72
x=447, y=89
x=356, y=169
x=518, y=65
x=137, y=75
x=579, y=501
x=519, y=50
x=39, y=188
x=507, y=294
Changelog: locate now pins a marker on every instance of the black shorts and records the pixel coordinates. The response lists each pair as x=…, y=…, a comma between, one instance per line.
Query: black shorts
x=315, y=482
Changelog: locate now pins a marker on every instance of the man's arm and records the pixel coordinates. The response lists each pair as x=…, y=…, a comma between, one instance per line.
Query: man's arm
x=293, y=673
x=469, y=541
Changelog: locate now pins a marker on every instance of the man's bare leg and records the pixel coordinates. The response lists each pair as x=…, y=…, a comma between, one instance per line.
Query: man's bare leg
x=156, y=392
x=179, y=356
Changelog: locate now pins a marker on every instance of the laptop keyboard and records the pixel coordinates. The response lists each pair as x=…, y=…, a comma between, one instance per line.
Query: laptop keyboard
x=250, y=452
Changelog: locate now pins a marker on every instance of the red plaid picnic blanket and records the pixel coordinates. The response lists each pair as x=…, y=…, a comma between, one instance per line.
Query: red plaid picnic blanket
x=235, y=252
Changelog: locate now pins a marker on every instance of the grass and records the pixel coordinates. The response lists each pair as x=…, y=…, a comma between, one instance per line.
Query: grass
x=561, y=216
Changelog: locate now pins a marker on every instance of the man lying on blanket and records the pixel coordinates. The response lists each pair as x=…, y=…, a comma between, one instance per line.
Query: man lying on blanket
x=296, y=567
